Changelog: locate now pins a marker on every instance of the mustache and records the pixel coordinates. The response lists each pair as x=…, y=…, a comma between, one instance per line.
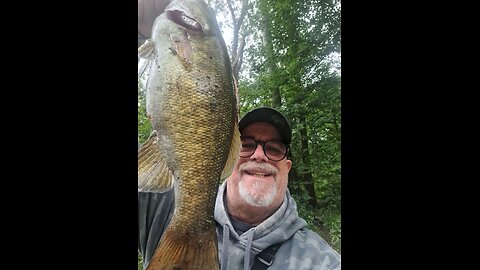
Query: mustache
x=263, y=167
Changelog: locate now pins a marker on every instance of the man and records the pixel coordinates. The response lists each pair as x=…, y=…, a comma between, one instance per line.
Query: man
x=258, y=226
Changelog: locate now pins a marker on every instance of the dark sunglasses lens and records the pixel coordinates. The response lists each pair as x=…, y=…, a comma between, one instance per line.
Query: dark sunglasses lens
x=248, y=147
x=275, y=150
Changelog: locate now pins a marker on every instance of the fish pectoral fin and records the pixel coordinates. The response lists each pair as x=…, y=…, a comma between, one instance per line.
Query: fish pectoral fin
x=153, y=173
x=144, y=67
x=147, y=50
x=233, y=154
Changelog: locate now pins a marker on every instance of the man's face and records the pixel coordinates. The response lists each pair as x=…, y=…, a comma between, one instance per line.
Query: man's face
x=257, y=180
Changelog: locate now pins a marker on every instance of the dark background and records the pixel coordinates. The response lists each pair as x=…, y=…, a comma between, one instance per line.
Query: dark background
x=70, y=135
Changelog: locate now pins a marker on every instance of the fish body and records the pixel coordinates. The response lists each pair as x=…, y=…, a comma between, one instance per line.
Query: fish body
x=192, y=106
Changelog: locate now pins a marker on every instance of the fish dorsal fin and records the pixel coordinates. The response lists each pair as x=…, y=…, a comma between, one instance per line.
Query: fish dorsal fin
x=233, y=154
x=153, y=173
x=147, y=50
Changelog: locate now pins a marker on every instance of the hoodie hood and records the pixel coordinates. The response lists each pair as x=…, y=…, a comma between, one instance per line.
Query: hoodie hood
x=233, y=248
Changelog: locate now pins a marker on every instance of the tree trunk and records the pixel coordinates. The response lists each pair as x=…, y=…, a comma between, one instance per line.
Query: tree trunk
x=238, y=43
x=307, y=175
x=270, y=61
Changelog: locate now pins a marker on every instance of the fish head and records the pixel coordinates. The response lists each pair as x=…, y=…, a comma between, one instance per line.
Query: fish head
x=180, y=23
x=193, y=15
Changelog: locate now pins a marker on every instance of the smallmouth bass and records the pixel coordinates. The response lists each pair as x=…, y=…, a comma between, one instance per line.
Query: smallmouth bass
x=191, y=103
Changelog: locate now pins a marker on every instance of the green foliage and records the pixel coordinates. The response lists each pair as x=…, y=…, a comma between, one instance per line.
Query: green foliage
x=140, y=261
x=144, y=126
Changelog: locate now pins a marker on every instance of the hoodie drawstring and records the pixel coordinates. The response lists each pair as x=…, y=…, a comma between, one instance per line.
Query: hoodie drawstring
x=246, y=262
x=225, y=245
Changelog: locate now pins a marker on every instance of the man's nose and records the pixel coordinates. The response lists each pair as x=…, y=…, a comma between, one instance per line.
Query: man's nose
x=259, y=154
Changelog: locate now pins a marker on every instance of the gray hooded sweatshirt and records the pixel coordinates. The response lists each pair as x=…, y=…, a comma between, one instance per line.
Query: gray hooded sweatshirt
x=301, y=249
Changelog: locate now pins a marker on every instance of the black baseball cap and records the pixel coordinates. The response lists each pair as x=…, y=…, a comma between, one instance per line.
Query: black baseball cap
x=271, y=116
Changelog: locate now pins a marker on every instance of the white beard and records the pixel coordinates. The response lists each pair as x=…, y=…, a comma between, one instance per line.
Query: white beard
x=261, y=199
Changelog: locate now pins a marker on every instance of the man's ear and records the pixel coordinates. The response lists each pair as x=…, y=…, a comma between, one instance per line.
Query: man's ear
x=289, y=165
